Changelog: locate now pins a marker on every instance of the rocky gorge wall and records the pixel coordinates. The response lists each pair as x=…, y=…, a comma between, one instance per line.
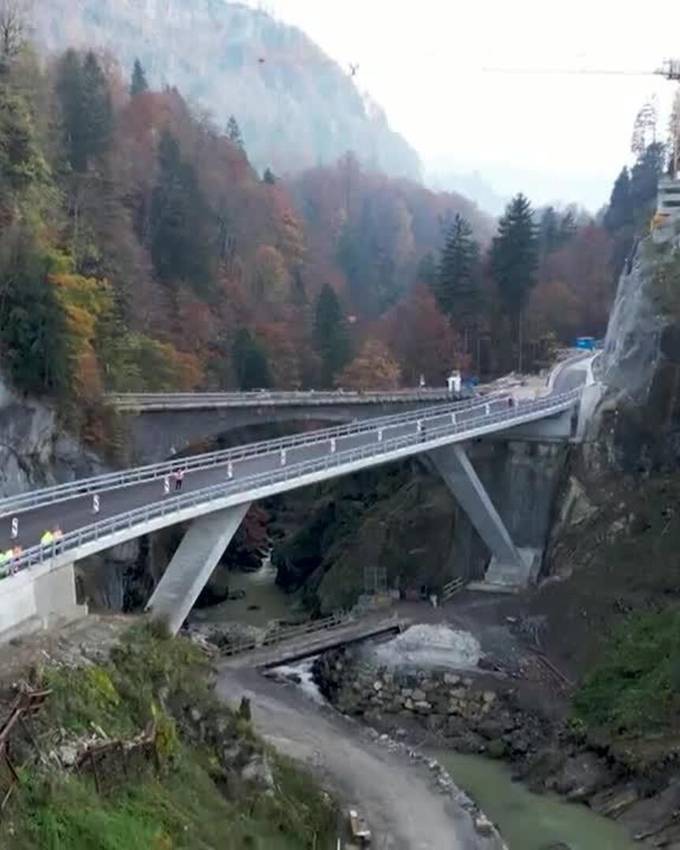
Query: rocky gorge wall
x=35, y=451
x=403, y=518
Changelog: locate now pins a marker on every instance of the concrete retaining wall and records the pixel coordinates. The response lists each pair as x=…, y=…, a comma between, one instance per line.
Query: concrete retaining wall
x=38, y=599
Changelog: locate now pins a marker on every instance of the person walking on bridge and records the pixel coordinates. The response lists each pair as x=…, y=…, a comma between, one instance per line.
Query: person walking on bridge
x=179, y=479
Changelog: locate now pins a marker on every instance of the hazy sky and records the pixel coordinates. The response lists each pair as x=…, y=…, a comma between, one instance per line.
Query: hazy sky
x=555, y=136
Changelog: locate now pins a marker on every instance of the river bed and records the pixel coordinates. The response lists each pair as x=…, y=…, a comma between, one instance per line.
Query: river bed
x=263, y=602
x=527, y=821
x=530, y=821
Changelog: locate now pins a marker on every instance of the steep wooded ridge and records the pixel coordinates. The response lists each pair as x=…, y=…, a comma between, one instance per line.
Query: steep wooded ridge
x=297, y=108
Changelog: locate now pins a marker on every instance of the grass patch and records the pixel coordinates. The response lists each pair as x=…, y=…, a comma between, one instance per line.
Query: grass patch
x=634, y=690
x=197, y=802
x=184, y=811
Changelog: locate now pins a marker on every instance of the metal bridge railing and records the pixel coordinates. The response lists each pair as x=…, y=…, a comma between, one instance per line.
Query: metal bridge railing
x=165, y=401
x=73, y=540
x=152, y=472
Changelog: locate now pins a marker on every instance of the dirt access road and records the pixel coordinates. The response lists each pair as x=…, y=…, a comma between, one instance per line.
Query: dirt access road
x=404, y=810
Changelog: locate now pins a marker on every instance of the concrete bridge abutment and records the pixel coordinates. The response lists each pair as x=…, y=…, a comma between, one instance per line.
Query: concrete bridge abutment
x=38, y=599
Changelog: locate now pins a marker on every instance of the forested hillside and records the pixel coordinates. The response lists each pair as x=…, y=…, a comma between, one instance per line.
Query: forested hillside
x=140, y=250
x=296, y=107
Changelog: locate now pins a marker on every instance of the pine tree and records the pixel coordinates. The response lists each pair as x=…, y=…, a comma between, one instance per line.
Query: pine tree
x=250, y=362
x=139, y=83
x=644, y=178
x=33, y=327
x=428, y=271
x=234, y=132
x=568, y=228
x=87, y=114
x=269, y=177
x=180, y=221
x=330, y=335
x=69, y=90
x=514, y=259
x=457, y=283
x=96, y=108
x=548, y=232
x=620, y=211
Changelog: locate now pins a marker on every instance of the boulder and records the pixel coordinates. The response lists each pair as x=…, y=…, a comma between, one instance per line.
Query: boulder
x=497, y=748
x=483, y=825
x=258, y=772
x=68, y=755
x=581, y=776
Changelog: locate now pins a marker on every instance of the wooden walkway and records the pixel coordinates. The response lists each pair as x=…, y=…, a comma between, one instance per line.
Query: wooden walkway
x=303, y=642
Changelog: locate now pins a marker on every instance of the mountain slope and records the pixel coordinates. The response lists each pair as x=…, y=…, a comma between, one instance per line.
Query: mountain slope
x=296, y=107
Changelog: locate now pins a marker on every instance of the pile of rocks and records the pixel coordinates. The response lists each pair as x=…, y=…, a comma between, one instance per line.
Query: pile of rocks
x=471, y=711
x=442, y=782
x=422, y=694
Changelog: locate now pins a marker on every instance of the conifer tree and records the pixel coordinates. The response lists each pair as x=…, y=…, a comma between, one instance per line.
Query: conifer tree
x=139, y=83
x=428, y=272
x=180, y=221
x=456, y=286
x=548, y=232
x=644, y=178
x=234, y=132
x=514, y=259
x=269, y=177
x=330, y=335
x=619, y=212
x=87, y=114
x=250, y=362
x=33, y=327
x=97, y=111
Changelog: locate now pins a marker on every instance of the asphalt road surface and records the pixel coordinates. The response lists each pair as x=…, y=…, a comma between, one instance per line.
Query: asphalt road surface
x=78, y=512
x=397, y=797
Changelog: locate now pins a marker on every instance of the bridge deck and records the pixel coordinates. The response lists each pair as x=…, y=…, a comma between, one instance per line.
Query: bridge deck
x=306, y=645
x=138, y=503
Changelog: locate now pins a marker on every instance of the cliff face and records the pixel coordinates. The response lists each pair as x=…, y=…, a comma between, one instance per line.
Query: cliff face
x=34, y=450
x=616, y=544
x=296, y=107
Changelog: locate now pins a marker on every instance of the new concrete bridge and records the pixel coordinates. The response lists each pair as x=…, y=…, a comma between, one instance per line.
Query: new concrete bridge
x=99, y=513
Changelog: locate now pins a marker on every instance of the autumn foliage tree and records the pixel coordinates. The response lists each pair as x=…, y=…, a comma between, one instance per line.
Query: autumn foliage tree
x=140, y=250
x=374, y=368
x=421, y=339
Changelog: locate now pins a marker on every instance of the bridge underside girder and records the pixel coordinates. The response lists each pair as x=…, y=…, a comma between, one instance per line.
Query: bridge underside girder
x=192, y=565
x=509, y=566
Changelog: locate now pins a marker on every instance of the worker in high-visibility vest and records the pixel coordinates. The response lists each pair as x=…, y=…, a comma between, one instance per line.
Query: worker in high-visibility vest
x=9, y=558
x=47, y=539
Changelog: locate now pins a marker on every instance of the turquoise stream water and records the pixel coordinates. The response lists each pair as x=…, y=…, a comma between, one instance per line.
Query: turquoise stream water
x=527, y=821
x=531, y=821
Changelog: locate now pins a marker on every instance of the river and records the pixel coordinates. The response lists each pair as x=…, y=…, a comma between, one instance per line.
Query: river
x=531, y=821
x=263, y=601
x=527, y=821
